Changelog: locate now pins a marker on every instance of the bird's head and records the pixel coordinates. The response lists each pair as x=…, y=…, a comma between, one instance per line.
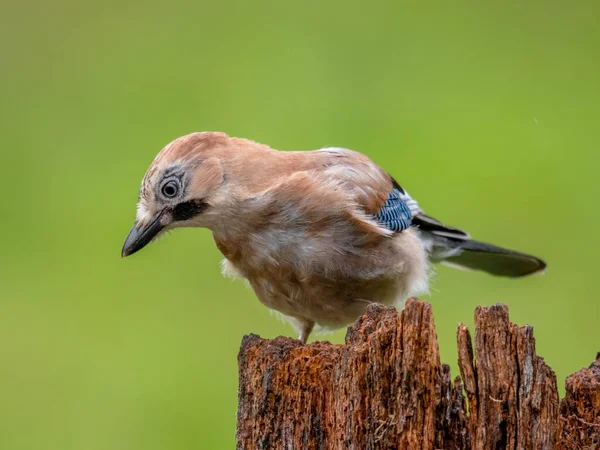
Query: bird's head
x=182, y=185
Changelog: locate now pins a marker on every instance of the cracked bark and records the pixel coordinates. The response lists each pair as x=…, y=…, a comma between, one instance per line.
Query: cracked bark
x=385, y=388
x=513, y=396
x=580, y=409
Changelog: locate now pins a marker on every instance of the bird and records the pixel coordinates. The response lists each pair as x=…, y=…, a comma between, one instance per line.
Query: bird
x=317, y=234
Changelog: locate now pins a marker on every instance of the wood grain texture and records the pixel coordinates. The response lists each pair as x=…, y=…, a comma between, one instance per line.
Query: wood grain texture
x=513, y=396
x=385, y=388
x=580, y=409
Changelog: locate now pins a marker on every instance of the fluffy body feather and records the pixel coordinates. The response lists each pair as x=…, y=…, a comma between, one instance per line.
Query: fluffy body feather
x=317, y=234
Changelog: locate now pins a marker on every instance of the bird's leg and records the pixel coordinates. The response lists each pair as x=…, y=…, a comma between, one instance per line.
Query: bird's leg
x=306, y=328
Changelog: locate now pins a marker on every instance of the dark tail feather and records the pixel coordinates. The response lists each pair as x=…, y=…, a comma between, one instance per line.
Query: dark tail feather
x=494, y=260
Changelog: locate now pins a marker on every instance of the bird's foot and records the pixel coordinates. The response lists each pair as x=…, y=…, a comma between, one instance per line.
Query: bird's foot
x=305, y=331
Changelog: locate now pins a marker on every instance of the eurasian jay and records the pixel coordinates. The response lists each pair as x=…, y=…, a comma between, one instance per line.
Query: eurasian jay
x=318, y=234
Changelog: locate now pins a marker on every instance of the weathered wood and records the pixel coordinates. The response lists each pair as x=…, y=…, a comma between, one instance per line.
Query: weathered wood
x=383, y=389
x=386, y=389
x=451, y=416
x=580, y=409
x=513, y=397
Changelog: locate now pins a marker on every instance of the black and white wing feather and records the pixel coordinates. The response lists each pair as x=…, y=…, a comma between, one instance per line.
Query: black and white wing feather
x=454, y=247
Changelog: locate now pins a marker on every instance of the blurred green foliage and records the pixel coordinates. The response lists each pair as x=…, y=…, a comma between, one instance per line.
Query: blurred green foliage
x=487, y=112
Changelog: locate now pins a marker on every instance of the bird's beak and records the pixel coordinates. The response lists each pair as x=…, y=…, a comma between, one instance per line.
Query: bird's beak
x=142, y=235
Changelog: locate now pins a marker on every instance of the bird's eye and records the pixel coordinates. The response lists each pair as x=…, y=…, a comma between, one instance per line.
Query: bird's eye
x=170, y=189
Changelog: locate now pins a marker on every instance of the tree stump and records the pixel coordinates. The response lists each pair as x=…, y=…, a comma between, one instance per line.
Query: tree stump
x=385, y=388
x=580, y=409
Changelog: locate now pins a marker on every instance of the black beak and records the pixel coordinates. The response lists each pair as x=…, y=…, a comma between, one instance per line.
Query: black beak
x=140, y=236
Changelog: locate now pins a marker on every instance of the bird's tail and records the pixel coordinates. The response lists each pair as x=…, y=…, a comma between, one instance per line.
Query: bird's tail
x=475, y=255
x=455, y=248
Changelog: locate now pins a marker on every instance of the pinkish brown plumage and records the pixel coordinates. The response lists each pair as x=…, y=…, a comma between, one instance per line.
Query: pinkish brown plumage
x=309, y=230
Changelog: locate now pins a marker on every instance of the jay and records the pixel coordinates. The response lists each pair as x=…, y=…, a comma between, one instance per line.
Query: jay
x=318, y=234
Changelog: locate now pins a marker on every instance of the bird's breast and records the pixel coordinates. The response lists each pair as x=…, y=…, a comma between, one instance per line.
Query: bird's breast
x=331, y=285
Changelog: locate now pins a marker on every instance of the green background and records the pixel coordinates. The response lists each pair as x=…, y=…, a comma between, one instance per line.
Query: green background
x=486, y=111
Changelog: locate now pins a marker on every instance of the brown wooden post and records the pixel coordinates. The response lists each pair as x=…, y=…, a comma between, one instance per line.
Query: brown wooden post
x=513, y=397
x=580, y=409
x=385, y=388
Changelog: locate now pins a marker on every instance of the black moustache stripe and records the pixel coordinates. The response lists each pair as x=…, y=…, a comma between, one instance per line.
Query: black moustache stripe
x=187, y=210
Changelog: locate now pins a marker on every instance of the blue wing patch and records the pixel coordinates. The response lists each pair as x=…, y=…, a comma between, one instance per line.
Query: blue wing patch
x=394, y=214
